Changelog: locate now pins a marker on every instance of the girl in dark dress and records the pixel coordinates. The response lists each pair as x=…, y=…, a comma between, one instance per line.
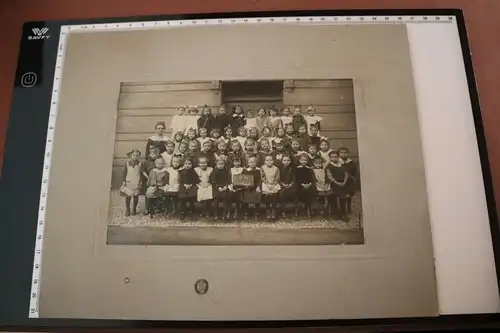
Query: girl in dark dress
x=147, y=166
x=239, y=119
x=192, y=152
x=288, y=192
x=295, y=151
x=222, y=120
x=220, y=154
x=178, y=139
x=235, y=191
x=265, y=150
x=158, y=140
x=279, y=152
x=337, y=176
x=188, y=179
x=352, y=184
x=251, y=195
x=235, y=151
x=157, y=181
x=303, y=137
x=298, y=119
x=215, y=138
x=206, y=120
x=304, y=177
x=220, y=180
x=314, y=137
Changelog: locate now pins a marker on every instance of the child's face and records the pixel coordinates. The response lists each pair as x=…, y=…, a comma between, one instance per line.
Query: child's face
x=249, y=114
x=207, y=111
x=252, y=162
x=182, y=148
x=193, y=146
x=343, y=154
x=222, y=110
x=222, y=146
x=188, y=164
x=237, y=109
x=170, y=148
x=289, y=129
x=235, y=146
x=229, y=133
x=286, y=112
x=302, y=130
x=193, y=112
x=269, y=161
x=296, y=110
x=191, y=135
x=280, y=147
x=312, y=150
x=207, y=146
x=323, y=146
x=261, y=113
x=242, y=132
x=266, y=132
x=311, y=112
x=295, y=145
x=203, y=163
x=176, y=163
x=215, y=134
x=237, y=163
x=303, y=160
x=219, y=165
x=178, y=137
x=203, y=133
x=159, y=163
x=264, y=144
x=135, y=156
x=314, y=131
x=334, y=157
x=180, y=111
x=318, y=164
x=253, y=133
x=153, y=155
x=160, y=129
x=286, y=160
x=249, y=146
x=272, y=112
x=280, y=131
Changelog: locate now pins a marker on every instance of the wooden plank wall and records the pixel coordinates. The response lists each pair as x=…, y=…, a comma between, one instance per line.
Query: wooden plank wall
x=142, y=104
x=334, y=102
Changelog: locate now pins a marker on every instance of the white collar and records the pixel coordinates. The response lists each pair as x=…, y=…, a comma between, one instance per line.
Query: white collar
x=303, y=166
x=250, y=169
x=337, y=165
x=346, y=161
x=158, y=138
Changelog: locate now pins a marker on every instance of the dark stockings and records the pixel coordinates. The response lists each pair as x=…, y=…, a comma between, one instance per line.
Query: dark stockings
x=135, y=201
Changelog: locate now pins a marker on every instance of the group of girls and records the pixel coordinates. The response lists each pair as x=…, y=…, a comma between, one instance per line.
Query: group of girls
x=199, y=168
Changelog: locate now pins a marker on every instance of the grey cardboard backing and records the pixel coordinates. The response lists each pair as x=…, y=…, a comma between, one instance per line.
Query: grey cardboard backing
x=391, y=275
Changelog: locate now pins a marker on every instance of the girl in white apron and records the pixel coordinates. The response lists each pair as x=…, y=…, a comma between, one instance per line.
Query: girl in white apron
x=204, y=194
x=270, y=175
x=132, y=178
x=172, y=187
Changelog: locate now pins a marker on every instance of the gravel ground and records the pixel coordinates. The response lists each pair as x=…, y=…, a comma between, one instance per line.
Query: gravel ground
x=118, y=218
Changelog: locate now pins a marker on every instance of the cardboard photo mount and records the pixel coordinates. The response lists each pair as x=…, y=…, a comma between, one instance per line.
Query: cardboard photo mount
x=391, y=275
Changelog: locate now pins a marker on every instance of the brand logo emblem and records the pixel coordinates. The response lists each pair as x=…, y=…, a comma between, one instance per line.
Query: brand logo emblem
x=39, y=34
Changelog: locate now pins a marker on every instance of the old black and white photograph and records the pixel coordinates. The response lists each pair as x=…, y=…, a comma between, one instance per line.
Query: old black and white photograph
x=236, y=162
